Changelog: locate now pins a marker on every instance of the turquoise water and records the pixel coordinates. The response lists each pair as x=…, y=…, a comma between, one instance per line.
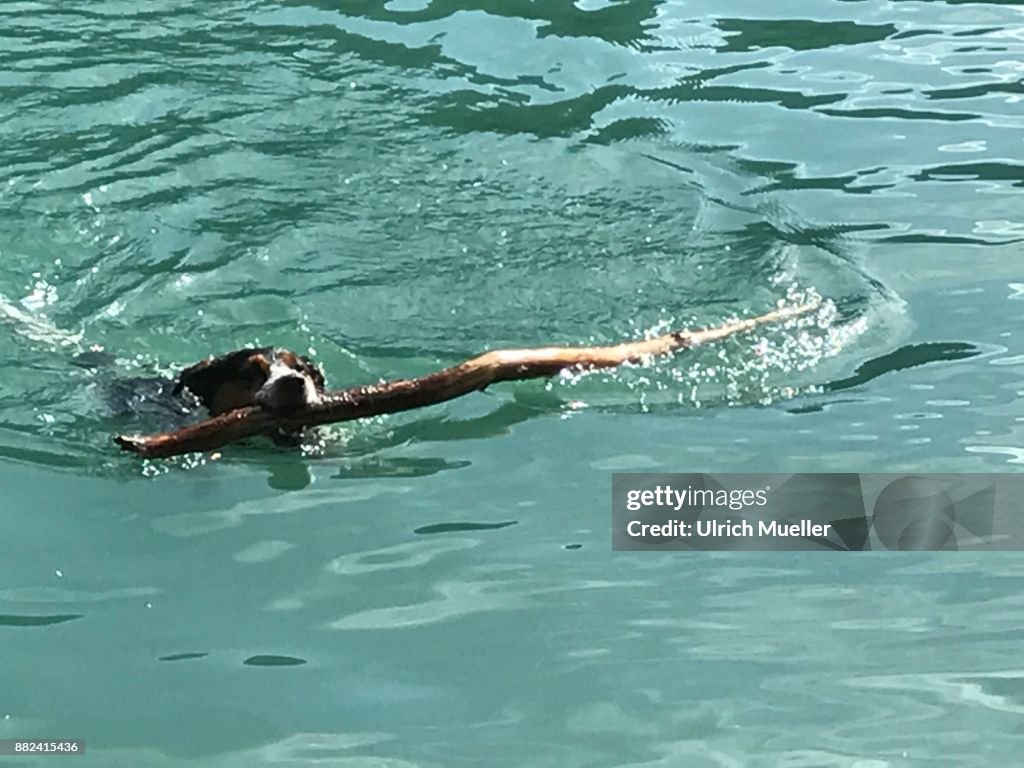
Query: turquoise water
x=396, y=187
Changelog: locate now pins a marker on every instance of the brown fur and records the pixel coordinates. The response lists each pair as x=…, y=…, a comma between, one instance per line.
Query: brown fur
x=272, y=377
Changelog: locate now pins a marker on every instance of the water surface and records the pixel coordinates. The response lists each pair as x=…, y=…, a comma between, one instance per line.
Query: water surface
x=394, y=187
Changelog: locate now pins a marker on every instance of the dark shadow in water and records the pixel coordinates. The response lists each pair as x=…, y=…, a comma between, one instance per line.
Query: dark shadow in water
x=973, y=172
x=820, y=407
x=16, y=620
x=460, y=527
x=976, y=91
x=184, y=656
x=798, y=34
x=271, y=660
x=621, y=22
x=897, y=113
x=931, y=239
x=58, y=458
x=904, y=358
x=910, y=356
x=629, y=128
x=290, y=475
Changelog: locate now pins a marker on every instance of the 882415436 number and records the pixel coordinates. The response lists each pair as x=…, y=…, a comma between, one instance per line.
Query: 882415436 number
x=41, y=746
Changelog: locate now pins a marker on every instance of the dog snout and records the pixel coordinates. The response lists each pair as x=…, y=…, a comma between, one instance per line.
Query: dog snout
x=286, y=389
x=283, y=391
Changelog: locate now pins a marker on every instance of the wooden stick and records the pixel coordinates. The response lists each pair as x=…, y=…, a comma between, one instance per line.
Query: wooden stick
x=438, y=387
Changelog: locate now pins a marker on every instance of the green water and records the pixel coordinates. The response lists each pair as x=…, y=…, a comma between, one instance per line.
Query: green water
x=396, y=187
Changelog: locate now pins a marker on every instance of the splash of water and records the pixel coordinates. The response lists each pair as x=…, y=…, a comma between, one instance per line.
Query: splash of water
x=748, y=368
x=35, y=326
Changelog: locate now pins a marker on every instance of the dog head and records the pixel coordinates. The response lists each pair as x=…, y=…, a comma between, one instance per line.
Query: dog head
x=273, y=378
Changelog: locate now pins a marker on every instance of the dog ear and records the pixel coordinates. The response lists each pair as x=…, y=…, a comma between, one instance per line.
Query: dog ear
x=206, y=377
x=313, y=371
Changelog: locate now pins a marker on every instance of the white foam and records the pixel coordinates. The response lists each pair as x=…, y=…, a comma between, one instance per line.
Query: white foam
x=36, y=326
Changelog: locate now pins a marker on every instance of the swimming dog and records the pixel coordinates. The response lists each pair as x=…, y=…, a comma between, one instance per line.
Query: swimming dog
x=268, y=377
x=273, y=378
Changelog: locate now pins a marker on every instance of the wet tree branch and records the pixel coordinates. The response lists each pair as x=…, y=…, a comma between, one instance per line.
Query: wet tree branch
x=438, y=387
